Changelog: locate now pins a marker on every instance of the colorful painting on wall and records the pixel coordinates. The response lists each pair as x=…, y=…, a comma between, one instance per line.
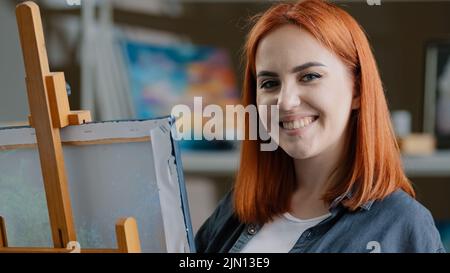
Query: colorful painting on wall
x=163, y=76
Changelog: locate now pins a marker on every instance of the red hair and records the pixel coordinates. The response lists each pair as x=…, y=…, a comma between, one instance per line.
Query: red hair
x=266, y=180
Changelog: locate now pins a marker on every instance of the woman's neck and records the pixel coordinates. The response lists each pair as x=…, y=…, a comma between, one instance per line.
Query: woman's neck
x=313, y=176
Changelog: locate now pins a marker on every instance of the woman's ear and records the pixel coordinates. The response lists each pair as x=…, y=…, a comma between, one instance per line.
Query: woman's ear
x=356, y=102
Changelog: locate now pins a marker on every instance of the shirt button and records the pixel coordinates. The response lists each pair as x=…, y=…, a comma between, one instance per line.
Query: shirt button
x=251, y=230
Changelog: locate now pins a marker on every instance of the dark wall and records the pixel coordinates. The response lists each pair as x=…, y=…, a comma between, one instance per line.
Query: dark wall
x=398, y=33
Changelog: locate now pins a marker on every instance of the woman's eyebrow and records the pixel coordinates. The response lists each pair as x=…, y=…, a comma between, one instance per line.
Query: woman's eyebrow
x=267, y=74
x=293, y=70
x=305, y=65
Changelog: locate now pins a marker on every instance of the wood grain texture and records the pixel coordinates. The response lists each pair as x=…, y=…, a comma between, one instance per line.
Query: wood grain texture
x=105, y=141
x=3, y=238
x=127, y=235
x=58, y=100
x=50, y=111
x=48, y=137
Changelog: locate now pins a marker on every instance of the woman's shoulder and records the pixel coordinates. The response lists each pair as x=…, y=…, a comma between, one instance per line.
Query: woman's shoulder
x=220, y=230
x=403, y=206
x=224, y=209
x=409, y=219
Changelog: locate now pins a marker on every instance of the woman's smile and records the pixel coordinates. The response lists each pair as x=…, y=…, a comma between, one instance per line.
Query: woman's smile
x=296, y=125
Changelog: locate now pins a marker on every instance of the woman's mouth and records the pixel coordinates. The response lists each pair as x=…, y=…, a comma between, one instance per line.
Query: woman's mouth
x=293, y=124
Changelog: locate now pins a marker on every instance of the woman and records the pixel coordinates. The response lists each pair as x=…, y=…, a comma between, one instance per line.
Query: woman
x=335, y=184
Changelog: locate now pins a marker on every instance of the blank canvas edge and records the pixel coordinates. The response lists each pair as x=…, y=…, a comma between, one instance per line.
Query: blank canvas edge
x=167, y=176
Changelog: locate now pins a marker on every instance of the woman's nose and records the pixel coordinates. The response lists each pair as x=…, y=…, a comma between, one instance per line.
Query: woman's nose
x=288, y=99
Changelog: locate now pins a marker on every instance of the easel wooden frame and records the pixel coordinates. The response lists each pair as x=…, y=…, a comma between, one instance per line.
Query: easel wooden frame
x=49, y=107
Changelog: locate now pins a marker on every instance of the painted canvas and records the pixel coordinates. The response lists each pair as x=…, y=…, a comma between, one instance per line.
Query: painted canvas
x=115, y=169
x=162, y=76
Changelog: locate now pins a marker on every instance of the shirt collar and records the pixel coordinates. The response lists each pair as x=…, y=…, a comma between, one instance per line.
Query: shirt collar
x=338, y=200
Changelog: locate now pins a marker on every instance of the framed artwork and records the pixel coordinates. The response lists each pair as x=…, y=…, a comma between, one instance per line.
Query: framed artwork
x=437, y=92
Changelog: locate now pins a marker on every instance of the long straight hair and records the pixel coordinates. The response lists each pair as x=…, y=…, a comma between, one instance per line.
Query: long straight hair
x=266, y=180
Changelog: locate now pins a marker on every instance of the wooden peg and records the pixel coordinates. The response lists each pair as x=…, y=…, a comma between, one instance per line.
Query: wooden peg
x=3, y=238
x=128, y=235
x=59, y=103
x=79, y=117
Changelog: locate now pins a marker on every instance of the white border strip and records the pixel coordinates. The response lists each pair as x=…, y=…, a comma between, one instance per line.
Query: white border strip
x=169, y=191
x=85, y=132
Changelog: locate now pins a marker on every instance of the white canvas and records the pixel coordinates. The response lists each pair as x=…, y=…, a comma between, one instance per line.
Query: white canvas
x=115, y=169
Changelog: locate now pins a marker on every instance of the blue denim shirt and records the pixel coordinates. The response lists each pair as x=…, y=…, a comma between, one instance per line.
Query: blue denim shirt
x=397, y=223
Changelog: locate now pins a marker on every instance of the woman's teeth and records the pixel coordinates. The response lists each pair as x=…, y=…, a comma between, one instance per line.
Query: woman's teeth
x=296, y=124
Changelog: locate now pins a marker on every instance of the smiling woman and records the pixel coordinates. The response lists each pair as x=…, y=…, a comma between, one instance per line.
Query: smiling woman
x=312, y=88
x=336, y=183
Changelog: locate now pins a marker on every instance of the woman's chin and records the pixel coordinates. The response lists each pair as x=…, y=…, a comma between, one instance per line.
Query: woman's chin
x=298, y=153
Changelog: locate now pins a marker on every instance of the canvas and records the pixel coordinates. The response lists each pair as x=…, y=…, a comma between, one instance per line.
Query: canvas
x=115, y=169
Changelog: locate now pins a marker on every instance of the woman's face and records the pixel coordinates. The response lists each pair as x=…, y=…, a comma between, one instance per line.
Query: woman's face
x=312, y=88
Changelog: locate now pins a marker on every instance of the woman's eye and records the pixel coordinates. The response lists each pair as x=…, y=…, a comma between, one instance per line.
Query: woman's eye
x=268, y=84
x=310, y=77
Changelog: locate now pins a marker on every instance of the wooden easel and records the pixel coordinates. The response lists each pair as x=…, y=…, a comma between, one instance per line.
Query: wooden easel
x=49, y=107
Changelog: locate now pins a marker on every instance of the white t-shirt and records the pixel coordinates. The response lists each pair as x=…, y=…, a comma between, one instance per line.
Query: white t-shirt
x=280, y=235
